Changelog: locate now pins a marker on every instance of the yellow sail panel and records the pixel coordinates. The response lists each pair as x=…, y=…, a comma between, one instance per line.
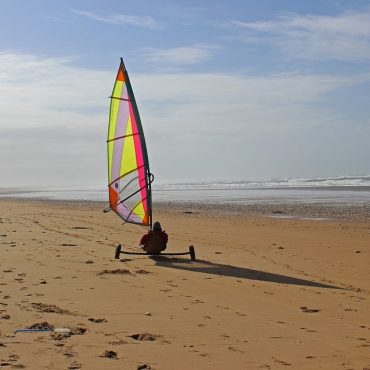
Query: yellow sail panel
x=139, y=210
x=129, y=154
x=115, y=105
x=110, y=158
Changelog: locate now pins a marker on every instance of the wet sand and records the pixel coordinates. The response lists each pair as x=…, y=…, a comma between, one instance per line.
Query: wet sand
x=264, y=293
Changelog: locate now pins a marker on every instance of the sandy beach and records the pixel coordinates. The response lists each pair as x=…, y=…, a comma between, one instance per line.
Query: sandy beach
x=264, y=292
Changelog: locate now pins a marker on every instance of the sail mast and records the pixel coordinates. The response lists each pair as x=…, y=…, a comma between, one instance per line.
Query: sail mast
x=149, y=176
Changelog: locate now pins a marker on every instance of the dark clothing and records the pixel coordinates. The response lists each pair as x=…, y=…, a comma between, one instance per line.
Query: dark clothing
x=154, y=242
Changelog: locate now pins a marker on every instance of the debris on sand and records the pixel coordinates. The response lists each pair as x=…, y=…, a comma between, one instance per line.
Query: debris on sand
x=68, y=333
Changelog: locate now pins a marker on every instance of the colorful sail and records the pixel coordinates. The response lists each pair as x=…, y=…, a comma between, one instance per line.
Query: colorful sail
x=129, y=176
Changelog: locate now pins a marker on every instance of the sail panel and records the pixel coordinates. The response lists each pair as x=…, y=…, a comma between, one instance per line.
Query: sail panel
x=128, y=167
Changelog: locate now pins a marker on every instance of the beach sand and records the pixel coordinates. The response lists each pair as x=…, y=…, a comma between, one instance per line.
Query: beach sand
x=264, y=293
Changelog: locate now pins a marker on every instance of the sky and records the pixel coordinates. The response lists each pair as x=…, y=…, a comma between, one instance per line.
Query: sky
x=227, y=89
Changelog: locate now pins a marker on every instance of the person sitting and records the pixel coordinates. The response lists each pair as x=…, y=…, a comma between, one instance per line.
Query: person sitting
x=155, y=241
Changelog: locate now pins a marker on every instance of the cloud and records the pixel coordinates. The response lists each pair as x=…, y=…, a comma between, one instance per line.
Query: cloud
x=180, y=56
x=204, y=126
x=122, y=19
x=38, y=91
x=197, y=125
x=343, y=37
x=54, y=116
x=218, y=102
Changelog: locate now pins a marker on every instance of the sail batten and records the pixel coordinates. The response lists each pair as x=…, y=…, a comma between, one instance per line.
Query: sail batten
x=115, y=97
x=121, y=137
x=129, y=177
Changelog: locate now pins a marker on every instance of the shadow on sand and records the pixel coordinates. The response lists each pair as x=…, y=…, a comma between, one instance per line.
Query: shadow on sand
x=219, y=269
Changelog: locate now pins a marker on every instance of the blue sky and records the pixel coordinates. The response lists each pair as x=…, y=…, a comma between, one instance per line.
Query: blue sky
x=227, y=90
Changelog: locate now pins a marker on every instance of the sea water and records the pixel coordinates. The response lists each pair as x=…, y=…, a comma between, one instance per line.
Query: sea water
x=342, y=190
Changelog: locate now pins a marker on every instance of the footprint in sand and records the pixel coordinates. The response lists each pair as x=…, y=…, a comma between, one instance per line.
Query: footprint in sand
x=68, y=352
x=147, y=337
x=115, y=272
x=282, y=362
x=233, y=349
x=41, y=326
x=141, y=271
x=143, y=367
x=309, y=310
x=97, y=320
x=18, y=366
x=13, y=358
x=118, y=342
x=110, y=354
x=51, y=308
x=74, y=365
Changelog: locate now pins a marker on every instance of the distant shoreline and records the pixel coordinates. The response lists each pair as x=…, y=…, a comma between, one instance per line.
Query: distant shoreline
x=314, y=211
x=213, y=194
x=304, y=211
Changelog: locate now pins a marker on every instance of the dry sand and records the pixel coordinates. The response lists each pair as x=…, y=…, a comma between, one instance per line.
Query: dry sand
x=265, y=293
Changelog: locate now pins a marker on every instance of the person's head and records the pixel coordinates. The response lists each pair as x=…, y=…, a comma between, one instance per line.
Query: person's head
x=157, y=226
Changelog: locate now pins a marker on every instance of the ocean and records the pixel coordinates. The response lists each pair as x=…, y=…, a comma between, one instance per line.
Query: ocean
x=345, y=190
